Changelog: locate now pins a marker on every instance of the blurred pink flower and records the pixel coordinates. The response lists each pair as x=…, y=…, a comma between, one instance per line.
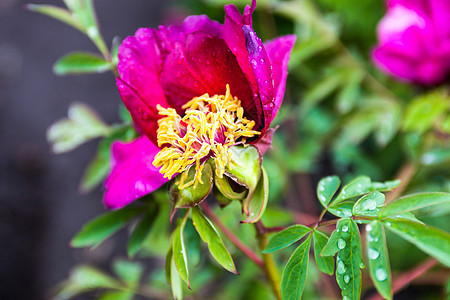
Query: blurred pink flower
x=414, y=40
x=163, y=69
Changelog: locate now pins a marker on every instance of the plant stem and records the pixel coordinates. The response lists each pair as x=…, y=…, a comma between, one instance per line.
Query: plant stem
x=270, y=268
x=409, y=276
x=231, y=236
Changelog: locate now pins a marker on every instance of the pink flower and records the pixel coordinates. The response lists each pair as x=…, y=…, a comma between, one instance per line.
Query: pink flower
x=414, y=40
x=194, y=90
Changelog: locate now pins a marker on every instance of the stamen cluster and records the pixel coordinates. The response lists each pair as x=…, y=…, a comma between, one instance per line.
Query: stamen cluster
x=210, y=126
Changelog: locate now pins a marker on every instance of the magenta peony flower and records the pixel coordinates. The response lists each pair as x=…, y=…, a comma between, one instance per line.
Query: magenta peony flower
x=414, y=40
x=194, y=91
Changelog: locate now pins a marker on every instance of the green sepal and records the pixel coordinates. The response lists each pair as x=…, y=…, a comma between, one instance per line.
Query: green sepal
x=256, y=205
x=225, y=187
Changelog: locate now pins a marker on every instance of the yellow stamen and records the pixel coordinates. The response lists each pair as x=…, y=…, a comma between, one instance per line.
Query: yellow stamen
x=210, y=126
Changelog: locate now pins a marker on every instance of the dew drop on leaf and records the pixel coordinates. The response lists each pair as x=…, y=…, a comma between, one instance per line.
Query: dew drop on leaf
x=340, y=267
x=373, y=254
x=369, y=227
x=347, y=278
x=345, y=228
x=341, y=244
x=380, y=274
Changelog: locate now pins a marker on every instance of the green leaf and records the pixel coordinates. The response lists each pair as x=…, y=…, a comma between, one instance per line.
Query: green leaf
x=129, y=272
x=211, y=237
x=192, y=195
x=413, y=202
x=286, y=237
x=141, y=232
x=179, y=253
x=225, y=187
x=294, y=274
x=326, y=189
x=385, y=186
x=175, y=281
x=97, y=230
x=357, y=187
x=81, y=125
x=378, y=259
x=116, y=295
x=341, y=209
x=88, y=277
x=324, y=263
x=258, y=203
x=81, y=63
x=57, y=13
x=368, y=204
x=430, y=240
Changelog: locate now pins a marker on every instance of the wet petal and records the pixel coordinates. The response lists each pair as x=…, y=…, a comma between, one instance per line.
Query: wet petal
x=132, y=173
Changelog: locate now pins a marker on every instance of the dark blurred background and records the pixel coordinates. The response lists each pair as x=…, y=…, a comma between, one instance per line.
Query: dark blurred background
x=40, y=206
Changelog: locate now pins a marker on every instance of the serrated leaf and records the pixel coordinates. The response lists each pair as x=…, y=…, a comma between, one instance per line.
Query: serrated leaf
x=430, y=240
x=286, y=237
x=179, y=253
x=413, y=202
x=57, y=13
x=81, y=125
x=294, y=274
x=324, y=263
x=211, y=237
x=192, y=195
x=141, y=231
x=81, y=63
x=129, y=272
x=378, y=259
x=326, y=188
x=99, y=229
x=368, y=204
x=258, y=202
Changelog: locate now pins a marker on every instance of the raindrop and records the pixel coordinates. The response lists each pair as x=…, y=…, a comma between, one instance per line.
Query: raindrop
x=370, y=238
x=262, y=60
x=254, y=62
x=346, y=279
x=362, y=266
x=345, y=228
x=369, y=227
x=373, y=254
x=340, y=267
x=345, y=298
x=380, y=274
x=388, y=223
x=322, y=198
x=260, y=48
x=321, y=188
x=341, y=244
x=370, y=205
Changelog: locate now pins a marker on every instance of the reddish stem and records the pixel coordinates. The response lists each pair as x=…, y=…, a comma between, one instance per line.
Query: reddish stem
x=231, y=236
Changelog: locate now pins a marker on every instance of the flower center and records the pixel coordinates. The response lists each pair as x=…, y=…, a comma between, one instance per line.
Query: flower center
x=210, y=126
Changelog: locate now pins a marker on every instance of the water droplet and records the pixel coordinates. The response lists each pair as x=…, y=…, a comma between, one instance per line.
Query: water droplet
x=347, y=278
x=369, y=227
x=380, y=274
x=370, y=205
x=345, y=228
x=345, y=298
x=92, y=31
x=388, y=223
x=340, y=267
x=322, y=198
x=370, y=238
x=362, y=266
x=260, y=48
x=373, y=254
x=321, y=188
x=254, y=62
x=341, y=244
x=262, y=60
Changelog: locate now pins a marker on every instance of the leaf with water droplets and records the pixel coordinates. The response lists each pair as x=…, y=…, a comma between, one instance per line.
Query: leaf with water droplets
x=341, y=209
x=294, y=273
x=378, y=259
x=431, y=240
x=211, y=237
x=368, y=204
x=324, y=263
x=326, y=188
x=413, y=202
x=286, y=237
x=358, y=186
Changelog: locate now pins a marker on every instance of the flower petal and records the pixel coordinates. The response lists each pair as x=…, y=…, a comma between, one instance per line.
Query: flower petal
x=203, y=24
x=132, y=173
x=279, y=51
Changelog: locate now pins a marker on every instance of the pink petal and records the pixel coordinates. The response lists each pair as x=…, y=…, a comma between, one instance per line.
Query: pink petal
x=132, y=173
x=203, y=24
x=279, y=51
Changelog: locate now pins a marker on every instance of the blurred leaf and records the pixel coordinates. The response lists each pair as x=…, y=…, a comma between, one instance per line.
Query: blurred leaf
x=141, y=231
x=350, y=93
x=81, y=126
x=294, y=274
x=431, y=240
x=99, y=229
x=57, y=13
x=423, y=112
x=436, y=156
x=257, y=204
x=324, y=263
x=115, y=50
x=175, y=281
x=413, y=202
x=326, y=188
x=81, y=63
x=179, y=253
x=211, y=237
x=368, y=204
x=117, y=295
x=192, y=195
x=286, y=237
x=129, y=272
x=377, y=253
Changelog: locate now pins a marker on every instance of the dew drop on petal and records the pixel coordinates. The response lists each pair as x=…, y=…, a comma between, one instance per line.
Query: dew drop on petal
x=373, y=254
x=380, y=274
x=340, y=267
x=341, y=244
x=262, y=60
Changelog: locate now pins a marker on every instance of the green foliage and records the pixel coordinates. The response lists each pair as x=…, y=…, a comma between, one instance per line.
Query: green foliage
x=256, y=206
x=286, y=237
x=179, y=252
x=324, y=263
x=414, y=202
x=141, y=231
x=81, y=63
